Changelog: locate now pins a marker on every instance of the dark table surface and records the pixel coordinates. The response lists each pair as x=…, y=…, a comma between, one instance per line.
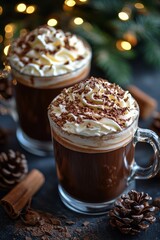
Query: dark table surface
x=47, y=199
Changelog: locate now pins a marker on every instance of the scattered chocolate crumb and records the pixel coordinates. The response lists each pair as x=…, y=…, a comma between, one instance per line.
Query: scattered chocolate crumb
x=36, y=232
x=78, y=230
x=69, y=222
x=42, y=222
x=86, y=223
x=28, y=238
x=44, y=238
x=31, y=218
x=47, y=226
x=67, y=234
x=55, y=221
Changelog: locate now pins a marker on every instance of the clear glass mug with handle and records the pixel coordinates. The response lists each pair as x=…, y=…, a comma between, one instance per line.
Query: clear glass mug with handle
x=93, y=171
x=43, y=62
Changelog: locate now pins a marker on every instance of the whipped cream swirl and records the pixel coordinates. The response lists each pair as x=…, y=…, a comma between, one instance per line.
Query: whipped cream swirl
x=46, y=51
x=93, y=107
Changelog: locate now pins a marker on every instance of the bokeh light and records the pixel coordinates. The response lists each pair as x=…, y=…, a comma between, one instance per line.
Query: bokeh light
x=78, y=21
x=9, y=28
x=123, y=45
x=123, y=16
x=6, y=50
x=131, y=38
x=52, y=22
x=1, y=10
x=139, y=5
x=126, y=45
x=21, y=7
x=1, y=38
x=70, y=3
x=30, y=9
x=8, y=35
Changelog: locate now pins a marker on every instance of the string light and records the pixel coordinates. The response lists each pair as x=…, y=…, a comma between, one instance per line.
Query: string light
x=21, y=7
x=126, y=45
x=123, y=45
x=83, y=0
x=30, y=9
x=6, y=50
x=131, y=38
x=1, y=10
x=139, y=5
x=123, y=16
x=70, y=3
x=78, y=21
x=52, y=22
x=9, y=28
x=8, y=35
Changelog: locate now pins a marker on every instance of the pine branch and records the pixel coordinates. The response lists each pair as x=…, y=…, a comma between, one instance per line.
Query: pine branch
x=151, y=52
x=93, y=34
x=144, y=27
x=102, y=28
x=115, y=67
x=106, y=55
x=105, y=5
x=147, y=27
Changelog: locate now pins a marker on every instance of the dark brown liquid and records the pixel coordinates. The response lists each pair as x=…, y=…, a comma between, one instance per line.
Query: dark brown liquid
x=32, y=104
x=94, y=177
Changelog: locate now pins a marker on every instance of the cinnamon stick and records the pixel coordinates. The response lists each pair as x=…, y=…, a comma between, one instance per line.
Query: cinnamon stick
x=21, y=194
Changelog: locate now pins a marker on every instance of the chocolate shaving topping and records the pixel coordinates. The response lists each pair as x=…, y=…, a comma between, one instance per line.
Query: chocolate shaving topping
x=24, y=44
x=85, y=101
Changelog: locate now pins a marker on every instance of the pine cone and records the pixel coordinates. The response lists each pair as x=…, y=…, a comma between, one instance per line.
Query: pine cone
x=13, y=168
x=132, y=213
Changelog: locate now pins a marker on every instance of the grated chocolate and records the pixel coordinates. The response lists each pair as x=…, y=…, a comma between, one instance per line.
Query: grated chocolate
x=92, y=99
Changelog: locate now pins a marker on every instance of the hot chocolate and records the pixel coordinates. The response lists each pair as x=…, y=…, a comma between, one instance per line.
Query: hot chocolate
x=92, y=177
x=44, y=62
x=93, y=126
x=90, y=163
x=32, y=124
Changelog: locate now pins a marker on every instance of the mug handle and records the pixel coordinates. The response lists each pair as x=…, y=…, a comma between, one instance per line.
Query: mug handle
x=148, y=136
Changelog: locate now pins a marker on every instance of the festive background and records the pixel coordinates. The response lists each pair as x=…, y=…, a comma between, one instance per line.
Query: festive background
x=120, y=32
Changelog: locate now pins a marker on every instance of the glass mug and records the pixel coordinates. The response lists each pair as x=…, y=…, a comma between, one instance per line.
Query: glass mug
x=91, y=177
x=33, y=95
